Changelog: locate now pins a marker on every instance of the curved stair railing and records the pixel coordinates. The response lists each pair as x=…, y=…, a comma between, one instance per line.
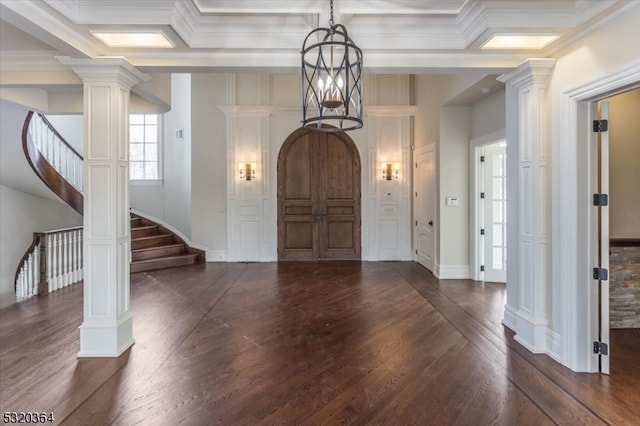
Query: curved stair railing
x=51, y=157
x=53, y=261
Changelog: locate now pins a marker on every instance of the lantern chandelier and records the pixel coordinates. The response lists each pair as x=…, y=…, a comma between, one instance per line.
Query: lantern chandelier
x=331, y=80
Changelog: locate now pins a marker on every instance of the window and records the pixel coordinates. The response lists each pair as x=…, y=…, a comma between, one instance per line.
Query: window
x=144, y=136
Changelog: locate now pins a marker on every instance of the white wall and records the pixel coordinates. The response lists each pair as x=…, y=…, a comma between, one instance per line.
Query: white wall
x=209, y=165
x=21, y=215
x=71, y=128
x=624, y=173
x=453, y=170
x=488, y=115
x=177, y=156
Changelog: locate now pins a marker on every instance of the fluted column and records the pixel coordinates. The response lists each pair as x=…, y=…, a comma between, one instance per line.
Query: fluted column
x=107, y=327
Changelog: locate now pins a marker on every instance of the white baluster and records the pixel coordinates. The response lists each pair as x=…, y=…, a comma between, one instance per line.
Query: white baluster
x=29, y=276
x=67, y=259
x=36, y=267
x=49, y=261
x=20, y=284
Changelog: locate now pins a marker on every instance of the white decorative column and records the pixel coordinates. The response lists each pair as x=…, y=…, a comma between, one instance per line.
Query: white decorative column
x=107, y=327
x=528, y=287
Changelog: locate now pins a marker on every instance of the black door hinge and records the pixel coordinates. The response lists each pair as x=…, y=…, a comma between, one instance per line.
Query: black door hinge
x=600, y=274
x=481, y=268
x=600, y=348
x=600, y=125
x=482, y=158
x=482, y=232
x=482, y=195
x=600, y=200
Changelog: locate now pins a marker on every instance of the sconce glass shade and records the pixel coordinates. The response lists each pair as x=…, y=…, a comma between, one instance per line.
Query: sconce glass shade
x=331, y=80
x=247, y=171
x=390, y=171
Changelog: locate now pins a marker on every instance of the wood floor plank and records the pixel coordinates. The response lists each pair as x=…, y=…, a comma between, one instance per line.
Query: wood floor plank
x=300, y=343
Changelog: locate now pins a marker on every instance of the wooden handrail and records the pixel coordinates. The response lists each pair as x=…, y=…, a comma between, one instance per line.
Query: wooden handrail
x=46, y=171
x=37, y=237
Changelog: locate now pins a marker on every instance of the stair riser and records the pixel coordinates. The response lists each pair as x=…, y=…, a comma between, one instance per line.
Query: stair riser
x=152, y=241
x=144, y=232
x=159, y=252
x=152, y=265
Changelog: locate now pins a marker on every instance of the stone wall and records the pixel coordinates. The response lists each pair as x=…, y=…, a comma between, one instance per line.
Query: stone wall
x=624, y=281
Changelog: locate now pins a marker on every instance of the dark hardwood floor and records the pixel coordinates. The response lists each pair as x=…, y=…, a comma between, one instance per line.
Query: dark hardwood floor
x=304, y=343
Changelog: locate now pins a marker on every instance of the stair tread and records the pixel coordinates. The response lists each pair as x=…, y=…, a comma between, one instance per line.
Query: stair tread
x=157, y=259
x=137, y=228
x=149, y=237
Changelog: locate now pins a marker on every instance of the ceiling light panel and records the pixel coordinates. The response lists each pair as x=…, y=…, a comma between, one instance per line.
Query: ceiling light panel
x=134, y=39
x=502, y=41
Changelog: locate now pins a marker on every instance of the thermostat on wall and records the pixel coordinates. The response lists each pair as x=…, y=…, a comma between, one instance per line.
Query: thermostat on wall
x=452, y=201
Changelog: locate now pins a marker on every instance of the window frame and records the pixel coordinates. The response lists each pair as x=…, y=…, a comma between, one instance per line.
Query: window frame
x=159, y=149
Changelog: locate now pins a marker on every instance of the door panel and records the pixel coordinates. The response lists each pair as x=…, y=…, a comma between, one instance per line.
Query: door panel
x=425, y=211
x=495, y=209
x=318, y=197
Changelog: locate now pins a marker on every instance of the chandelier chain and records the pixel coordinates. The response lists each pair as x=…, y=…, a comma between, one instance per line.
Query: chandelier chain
x=331, y=19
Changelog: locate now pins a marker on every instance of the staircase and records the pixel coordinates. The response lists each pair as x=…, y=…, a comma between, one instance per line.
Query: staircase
x=49, y=260
x=154, y=247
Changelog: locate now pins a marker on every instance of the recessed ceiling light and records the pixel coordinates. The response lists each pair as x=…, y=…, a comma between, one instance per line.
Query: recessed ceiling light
x=499, y=41
x=120, y=39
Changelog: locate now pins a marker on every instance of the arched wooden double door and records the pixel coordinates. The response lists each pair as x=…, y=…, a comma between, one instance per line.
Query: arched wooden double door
x=318, y=197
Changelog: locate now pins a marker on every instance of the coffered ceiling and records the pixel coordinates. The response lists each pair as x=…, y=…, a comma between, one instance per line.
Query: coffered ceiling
x=401, y=36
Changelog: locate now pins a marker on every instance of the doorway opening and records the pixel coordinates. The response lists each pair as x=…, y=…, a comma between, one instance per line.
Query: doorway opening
x=319, y=197
x=618, y=150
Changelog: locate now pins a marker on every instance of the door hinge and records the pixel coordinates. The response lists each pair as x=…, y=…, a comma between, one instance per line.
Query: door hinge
x=600, y=274
x=482, y=231
x=482, y=195
x=600, y=125
x=416, y=251
x=416, y=223
x=416, y=165
x=482, y=158
x=481, y=268
x=600, y=348
x=600, y=200
x=416, y=193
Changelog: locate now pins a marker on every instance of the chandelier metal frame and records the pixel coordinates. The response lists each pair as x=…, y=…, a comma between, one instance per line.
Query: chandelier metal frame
x=331, y=80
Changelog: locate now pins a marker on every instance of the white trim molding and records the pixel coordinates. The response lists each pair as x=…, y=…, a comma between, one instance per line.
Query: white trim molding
x=452, y=272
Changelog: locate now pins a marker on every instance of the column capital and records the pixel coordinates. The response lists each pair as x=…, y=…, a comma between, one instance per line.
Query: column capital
x=107, y=68
x=531, y=71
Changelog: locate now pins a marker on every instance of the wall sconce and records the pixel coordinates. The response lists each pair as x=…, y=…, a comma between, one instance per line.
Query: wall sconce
x=247, y=171
x=390, y=170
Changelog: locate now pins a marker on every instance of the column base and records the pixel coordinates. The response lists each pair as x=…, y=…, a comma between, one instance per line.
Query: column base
x=99, y=339
x=531, y=333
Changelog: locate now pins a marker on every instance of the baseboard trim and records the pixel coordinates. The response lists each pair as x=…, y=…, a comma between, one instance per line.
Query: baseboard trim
x=216, y=256
x=452, y=272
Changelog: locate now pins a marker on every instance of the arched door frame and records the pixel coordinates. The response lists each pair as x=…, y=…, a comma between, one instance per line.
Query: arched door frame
x=357, y=171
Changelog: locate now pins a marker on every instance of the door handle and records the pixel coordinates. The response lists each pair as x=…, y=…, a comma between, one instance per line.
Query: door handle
x=318, y=216
x=430, y=223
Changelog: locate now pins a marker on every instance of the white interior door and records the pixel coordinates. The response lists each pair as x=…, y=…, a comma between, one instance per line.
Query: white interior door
x=493, y=212
x=424, y=181
x=603, y=293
